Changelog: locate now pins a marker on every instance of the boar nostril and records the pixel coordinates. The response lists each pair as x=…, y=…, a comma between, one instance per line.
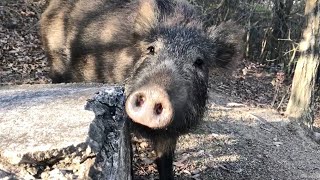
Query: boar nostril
x=158, y=108
x=150, y=106
x=140, y=100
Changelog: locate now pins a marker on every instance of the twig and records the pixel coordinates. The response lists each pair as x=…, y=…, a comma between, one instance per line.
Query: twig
x=288, y=90
x=265, y=129
x=32, y=28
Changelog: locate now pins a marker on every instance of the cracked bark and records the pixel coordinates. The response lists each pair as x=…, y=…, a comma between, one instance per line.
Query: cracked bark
x=109, y=136
x=301, y=103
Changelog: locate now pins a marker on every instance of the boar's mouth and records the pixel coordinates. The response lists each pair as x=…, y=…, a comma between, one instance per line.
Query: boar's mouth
x=150, y=106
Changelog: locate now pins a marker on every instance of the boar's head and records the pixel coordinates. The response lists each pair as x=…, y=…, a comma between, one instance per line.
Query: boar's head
x=168, y=86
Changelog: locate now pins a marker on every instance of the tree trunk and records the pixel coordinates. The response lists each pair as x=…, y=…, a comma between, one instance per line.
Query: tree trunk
x=109, y=136
x=301, y=103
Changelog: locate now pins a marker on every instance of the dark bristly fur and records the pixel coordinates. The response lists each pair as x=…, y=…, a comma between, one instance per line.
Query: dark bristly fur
x=141, y=43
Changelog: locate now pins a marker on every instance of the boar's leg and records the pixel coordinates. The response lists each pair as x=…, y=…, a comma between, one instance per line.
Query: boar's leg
x=165, y=147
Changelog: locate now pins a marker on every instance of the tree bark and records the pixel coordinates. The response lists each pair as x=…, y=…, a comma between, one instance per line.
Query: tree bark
x=109, y=136
x=301, y=102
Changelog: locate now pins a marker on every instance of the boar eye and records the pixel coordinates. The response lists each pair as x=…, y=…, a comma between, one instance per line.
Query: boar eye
x=198, y=63
x=150, y=50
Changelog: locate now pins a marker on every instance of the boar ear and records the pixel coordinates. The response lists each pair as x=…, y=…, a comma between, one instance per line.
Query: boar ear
x=146, y=17
x=228, y=43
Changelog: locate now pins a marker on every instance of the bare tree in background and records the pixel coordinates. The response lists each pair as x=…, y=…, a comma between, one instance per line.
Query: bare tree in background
x=280, y=29
x=301, y=103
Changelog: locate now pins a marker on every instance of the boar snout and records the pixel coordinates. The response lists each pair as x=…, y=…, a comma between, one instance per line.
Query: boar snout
x=150, y=106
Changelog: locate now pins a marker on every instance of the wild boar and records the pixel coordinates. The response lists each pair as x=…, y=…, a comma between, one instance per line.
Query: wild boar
x=160, y=49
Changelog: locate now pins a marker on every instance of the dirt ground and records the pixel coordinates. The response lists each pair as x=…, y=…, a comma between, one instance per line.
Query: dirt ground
x=238, y=141
x=243, y=135
x=249, y=143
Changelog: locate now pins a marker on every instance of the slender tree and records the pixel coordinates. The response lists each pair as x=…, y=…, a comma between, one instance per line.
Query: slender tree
x=280, y=29
x=301, y=103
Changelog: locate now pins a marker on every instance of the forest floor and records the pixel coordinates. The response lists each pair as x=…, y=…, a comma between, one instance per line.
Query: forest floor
x=244, y=134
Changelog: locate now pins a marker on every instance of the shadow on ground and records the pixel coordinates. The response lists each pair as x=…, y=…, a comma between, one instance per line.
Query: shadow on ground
x=245, y=143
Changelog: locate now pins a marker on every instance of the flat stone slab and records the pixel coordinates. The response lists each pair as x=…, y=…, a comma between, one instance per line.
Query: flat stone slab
x=39, y=123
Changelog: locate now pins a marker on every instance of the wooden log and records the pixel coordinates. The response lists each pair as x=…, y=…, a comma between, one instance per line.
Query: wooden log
x=109, y=136
x=46, y=133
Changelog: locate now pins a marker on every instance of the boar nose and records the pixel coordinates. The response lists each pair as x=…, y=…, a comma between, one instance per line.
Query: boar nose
x=150, y=106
